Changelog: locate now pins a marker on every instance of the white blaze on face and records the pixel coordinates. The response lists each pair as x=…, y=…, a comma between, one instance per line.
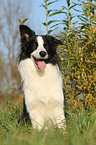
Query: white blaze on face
x=40, y=48
x=36, y=54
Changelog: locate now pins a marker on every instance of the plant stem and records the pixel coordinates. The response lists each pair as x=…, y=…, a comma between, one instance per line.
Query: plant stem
x=46, y=6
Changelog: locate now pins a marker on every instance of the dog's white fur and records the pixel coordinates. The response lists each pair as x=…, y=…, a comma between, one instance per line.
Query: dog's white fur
x=43, y=93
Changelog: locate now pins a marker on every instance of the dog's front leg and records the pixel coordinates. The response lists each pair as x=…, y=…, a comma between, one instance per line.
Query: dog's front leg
x=38, y=115
x=59, y=117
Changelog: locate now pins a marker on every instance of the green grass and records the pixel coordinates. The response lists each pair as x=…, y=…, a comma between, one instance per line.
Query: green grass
x=81, y=130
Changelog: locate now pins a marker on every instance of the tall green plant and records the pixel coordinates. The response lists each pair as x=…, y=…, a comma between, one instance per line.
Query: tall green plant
x=78, y=53
x=50, y=13
x=81, y=44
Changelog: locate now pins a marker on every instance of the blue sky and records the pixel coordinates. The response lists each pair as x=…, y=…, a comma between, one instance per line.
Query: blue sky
x=39, y=14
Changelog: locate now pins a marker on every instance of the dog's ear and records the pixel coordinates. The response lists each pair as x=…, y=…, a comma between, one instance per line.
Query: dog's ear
x=26, y=32
x=54, y=41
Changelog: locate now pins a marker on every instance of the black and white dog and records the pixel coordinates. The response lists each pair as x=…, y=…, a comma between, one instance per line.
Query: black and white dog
x=39, y=66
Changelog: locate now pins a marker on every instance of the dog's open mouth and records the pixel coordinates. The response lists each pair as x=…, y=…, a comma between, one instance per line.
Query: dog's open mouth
x=40, y=63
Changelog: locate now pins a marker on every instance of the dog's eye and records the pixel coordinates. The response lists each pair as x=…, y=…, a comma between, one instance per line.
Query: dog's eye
x=46, y=45
x=34, y=46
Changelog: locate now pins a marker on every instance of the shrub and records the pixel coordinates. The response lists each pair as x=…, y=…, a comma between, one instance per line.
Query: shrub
x=78, y=52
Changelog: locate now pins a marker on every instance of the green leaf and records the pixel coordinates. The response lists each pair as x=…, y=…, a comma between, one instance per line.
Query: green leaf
x=73, y=3
x=52, y=2
x=72, y=6
x=64, y=7
x=49, y=11
x=24, y=20
x=50, y=31
x=56, y=28
x=75, y=22
x=84, y=18
x=55, y=25
x=76, y=10
x=68, y=3
x=81, y=19
x=58, y=12
x=19, y=20
x=65, y=28
x=43, y=6
x=44, y=24
x=52, y=21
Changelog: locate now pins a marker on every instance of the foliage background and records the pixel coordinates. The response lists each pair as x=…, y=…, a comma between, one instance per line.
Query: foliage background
x=79, y=51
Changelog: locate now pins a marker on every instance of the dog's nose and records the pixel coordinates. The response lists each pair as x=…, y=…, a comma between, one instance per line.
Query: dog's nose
x=42, y=53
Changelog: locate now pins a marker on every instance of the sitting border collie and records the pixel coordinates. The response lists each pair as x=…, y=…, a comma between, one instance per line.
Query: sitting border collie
x=39, y=66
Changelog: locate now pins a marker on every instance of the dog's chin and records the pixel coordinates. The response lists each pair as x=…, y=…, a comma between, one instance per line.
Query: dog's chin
x=39, y=63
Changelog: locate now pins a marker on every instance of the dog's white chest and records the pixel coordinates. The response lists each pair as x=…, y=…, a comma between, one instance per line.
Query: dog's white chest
x=38, y=84
x=42, y=90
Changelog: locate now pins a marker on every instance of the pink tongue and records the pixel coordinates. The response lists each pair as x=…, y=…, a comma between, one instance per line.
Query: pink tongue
x=41, y=65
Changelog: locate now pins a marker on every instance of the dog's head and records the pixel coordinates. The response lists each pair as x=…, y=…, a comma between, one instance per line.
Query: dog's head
x=41, y=48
